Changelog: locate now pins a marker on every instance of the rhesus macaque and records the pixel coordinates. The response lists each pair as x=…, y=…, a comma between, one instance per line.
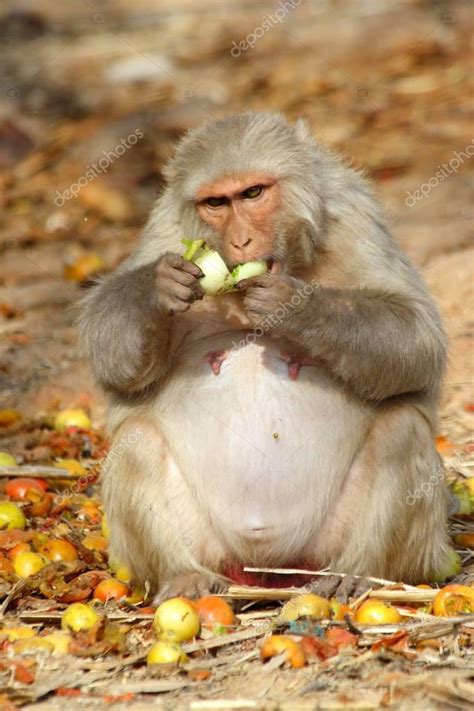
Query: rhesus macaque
x=284, y=424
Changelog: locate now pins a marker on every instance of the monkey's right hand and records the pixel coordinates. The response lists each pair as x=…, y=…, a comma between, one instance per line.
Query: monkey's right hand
x=177, y=283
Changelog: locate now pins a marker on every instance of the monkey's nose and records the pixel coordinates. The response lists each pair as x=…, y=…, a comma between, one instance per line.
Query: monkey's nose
x=241, y=244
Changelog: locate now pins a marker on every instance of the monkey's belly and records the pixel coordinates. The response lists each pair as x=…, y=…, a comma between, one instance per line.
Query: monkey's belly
x=263, y=455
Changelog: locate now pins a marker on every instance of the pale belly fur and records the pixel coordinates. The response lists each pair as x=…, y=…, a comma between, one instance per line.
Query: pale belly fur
x=258, y=449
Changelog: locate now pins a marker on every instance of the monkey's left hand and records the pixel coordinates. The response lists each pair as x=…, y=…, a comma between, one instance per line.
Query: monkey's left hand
x=271, y=298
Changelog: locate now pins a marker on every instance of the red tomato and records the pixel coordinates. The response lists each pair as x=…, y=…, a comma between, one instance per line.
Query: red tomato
x=17, y=489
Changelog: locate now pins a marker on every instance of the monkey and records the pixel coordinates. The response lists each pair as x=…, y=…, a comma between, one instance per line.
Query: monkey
x=285, y=423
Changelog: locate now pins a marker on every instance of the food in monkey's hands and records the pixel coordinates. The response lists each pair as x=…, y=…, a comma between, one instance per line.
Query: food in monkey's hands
x=217, y=279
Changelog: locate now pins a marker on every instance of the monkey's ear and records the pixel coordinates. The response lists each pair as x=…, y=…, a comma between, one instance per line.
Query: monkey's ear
x=303, y=131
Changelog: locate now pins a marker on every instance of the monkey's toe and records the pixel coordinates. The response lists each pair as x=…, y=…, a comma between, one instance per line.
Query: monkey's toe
x=351, y=586
x=190, y=585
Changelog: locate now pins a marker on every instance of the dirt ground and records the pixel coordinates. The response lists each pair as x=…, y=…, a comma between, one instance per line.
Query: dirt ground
x=384, y=83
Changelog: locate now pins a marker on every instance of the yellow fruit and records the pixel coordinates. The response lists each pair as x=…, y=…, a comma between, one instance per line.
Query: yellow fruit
x=166, y=653
x=279, y=643
x=27, y=563
x=78, y=617
x=177, y=620
x=377, y=612
x=308, y=605
x=84, y=267
x=104, y=527
x=121, y=571
x=32, y=645
x=71, y=418
x=7, y=460
x=14, y=633
x=72, y=466
x=58, y=549
x=95, y=543
x=11, y=516
x=60, y=642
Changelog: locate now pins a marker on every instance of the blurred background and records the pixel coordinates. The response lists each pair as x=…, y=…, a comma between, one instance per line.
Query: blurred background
x=95, y=93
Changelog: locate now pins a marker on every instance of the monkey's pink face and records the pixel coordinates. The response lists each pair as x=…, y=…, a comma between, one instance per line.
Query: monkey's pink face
x=241, y=209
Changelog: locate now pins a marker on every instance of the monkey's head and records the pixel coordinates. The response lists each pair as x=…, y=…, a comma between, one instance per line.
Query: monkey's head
x=248, y=184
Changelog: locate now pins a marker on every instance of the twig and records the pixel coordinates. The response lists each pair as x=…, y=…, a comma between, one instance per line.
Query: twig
x=40, y=471
x=17, y=588
x=227, y=639
x=325, y=572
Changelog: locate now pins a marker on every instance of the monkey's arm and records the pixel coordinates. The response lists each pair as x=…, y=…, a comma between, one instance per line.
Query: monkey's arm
x=379, y=343
x=125, y=334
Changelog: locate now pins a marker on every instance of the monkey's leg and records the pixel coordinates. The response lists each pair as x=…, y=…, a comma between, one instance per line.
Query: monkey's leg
x=391, y=514
x=155, y=527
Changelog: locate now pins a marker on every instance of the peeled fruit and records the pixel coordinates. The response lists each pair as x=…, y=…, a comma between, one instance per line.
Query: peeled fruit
x=60, y=642
x=78, y=617
x=377, y=612
x=177, y=620
x=28, y=563
x=279, y=643
x=18, y=489
x=11, y=516
x=165, y=653
x=217, y=279
x=72, y=418
x=111, y=589
x=215, y=614
x=454, y=600
x=7, y=460
x=9, y=417
x=5, y=565
x=307, y=605
x=58, y=549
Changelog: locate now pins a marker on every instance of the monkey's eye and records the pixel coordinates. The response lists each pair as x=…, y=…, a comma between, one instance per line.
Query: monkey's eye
x=254, y=192
x=215, y=201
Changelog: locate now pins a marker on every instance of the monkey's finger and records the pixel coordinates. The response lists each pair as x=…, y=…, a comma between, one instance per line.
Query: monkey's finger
x=182, y=293
x=184, y=278
x=190, y=268
x=261, y=281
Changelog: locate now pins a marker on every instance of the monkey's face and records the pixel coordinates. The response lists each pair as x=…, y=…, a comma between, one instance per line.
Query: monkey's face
x=241, y=210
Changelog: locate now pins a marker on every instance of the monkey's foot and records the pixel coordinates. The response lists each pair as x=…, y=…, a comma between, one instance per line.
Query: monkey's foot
x=294, y=363
x=191, y=585
x=351, y=586
x=215, y=360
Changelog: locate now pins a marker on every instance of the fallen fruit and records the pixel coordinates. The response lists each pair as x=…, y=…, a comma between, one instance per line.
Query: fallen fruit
x=377, y=612
x=84, y=267
x=72, y=466
x=9, y=417
x=450, y=567
x=111, y=589
x=464, y=540
x=72, y=418
x=14, y=633
x=27, y=563
x=165, y=653
x=58, y=549
x=104, y=527
x=32, y=645
x=454, y=600
x=11, y=516
x=18, y=489
x=177, y=620
x=279, y=643
x=5, y=565
x=60, y=642
x=307, y=605
x=7, y=460
x=19, y=548
x=95, y=543
x=78, y=617
x=215, y=614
